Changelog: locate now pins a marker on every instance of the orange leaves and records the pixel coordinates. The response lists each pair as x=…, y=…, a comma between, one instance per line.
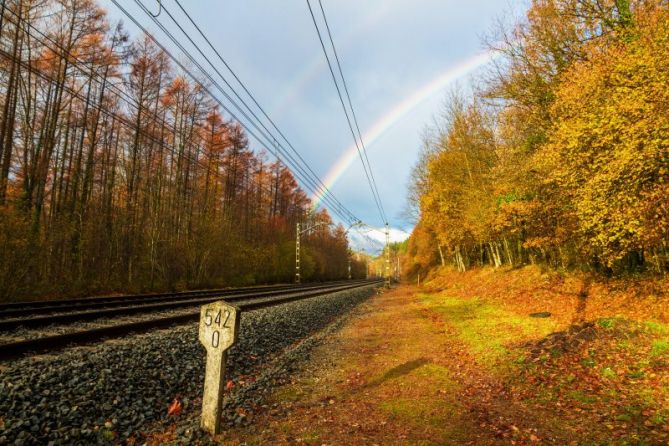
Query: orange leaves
x=175, y=408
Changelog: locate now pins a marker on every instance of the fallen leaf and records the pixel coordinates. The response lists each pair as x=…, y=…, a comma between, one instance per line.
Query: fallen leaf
x=175, y=408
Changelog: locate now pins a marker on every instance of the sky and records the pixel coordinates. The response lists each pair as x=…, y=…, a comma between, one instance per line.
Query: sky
x=400, y=59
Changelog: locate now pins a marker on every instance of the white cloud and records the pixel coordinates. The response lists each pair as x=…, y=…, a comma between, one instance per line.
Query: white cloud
x=372, y=240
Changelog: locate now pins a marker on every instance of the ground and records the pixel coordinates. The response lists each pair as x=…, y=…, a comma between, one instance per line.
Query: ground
x=463, y=362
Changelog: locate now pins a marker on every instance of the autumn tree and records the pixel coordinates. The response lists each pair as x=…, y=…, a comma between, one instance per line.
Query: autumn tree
x=561, y=157
x=118, y=172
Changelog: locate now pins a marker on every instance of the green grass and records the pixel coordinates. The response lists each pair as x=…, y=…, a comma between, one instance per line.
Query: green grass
x=660, y=348
x=588, y=362
x=440, y=375
x=581, y=397
x=657, y=327
x=292, y=393
x=486, y=328
x=419, y=411
x=608, y=322
x=311, y=438
x=608, y=373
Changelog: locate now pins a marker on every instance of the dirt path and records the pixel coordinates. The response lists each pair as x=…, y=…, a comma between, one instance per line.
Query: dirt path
x=397, y=374
x=414, y=368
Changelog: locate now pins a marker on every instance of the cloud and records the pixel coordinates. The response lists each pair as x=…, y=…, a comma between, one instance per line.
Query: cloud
x=372, y=240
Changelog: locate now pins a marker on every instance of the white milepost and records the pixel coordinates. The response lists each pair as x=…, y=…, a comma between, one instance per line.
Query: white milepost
x=219, y=324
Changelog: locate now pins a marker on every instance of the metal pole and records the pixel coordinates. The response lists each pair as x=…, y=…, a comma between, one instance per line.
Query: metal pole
x=349, y=268
x=387, y=256
x=297, y=255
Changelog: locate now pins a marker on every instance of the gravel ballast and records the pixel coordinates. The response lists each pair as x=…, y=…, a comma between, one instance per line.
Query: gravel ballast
x=121, y=389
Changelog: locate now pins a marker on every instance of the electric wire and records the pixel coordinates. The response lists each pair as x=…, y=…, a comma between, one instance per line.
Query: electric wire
x=202, y=86
x=269, y=139
x=118, y=117
x=314, y=181
x=350, y=104
x=323, y=187
x=348, y=119
x=121, y=94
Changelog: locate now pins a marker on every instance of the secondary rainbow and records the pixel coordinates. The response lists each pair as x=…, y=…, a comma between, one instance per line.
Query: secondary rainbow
x=387, y=121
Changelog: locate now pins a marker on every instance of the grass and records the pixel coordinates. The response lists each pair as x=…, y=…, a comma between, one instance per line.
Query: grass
x=608, y=322
x=289, y=393
x=419, y=410
x=624, y=362
x=657, y=327
x=660, y=348
x=581, y=397
x=466, y=364
x=416, y=411
x=490, y=331
x=588, y=362
x=608, y=373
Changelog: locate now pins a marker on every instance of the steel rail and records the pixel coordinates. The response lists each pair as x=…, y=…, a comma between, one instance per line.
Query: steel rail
x=82, y=337
x=166, y=303
x=38, y=304
x=120, y=301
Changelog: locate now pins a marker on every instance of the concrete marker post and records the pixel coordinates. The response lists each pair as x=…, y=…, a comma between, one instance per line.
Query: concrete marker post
x=219, y=326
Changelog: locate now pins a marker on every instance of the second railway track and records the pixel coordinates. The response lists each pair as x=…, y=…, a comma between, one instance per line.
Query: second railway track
x=32, y=308
x=246, y=301
x=93, y=309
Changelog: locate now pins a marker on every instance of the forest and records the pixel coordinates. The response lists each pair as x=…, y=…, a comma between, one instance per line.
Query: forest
x=119, y=173
x=560, y=155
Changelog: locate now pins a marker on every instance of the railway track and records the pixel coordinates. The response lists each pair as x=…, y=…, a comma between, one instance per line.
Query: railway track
x=18, y=309
x=93, y=309
x=247, y=300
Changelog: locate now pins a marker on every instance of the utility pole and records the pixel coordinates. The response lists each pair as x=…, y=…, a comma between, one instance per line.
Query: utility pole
x=353, y=225
x=297, y=254
x=299, y=231
x=387, y=256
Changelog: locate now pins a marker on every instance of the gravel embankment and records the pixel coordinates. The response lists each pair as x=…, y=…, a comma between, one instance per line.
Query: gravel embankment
x=121, y=389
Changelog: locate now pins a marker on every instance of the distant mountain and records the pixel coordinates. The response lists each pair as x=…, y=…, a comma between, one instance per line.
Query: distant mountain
x=372, y=241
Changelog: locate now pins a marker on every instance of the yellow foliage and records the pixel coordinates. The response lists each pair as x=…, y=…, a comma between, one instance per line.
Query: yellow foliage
x=570, y=164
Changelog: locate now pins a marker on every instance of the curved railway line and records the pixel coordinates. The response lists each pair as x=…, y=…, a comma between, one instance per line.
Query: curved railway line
x=89, y=309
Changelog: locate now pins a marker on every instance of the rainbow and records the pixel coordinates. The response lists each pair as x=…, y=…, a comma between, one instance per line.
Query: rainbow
x=400, y=110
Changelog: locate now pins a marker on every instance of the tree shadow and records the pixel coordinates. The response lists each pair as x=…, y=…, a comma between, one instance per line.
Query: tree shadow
x=400, y=370
x=581, y=305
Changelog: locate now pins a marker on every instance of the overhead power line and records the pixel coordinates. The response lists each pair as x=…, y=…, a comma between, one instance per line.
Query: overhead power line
x=312, y=182
x=300, y=164
x=350, y=104
x=325, y=190
x=366, y=167
x=265, y=140
x=269, y=139
x=77, y=62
